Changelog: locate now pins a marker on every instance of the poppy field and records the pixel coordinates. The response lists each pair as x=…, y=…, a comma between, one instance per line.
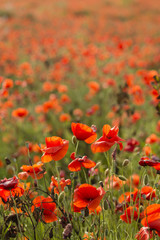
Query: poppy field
x=79, y=120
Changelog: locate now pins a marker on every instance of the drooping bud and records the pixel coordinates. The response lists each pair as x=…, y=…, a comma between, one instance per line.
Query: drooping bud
x=97, y=165
x=8, y=161
x=61, y=197
x=105, y=205
x=101, y=184
x=74, y=140
x=145, y=179
x=106, y=172
x=123, y=178
x=125, y=163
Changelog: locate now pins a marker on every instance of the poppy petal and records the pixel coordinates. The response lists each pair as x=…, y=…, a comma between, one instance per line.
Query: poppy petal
x=74, y=166
x=87, y=163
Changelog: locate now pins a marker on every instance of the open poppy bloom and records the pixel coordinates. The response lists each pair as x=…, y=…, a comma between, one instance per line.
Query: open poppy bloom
x=56, y=148
x=152, y=221
x=129, y=214
x=88, y=196
x=35, y=171
x=47, y=207
x=131, y=144
x=146, y=161
x=9, y=188
x=134, y=180
x=108, y=139
x=20, y=112
x=84, y=132
x=79, y=162
x=152, y=139
x=114, y=182
x=144, y=234
x=147, y=193
x=59, y=186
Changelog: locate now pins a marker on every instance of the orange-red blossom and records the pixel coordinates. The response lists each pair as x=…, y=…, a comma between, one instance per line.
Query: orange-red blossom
x=88, y=196
x=109, y=138
x=47, y=207
x=84, y=132
x=56, y=148
x=9, y=188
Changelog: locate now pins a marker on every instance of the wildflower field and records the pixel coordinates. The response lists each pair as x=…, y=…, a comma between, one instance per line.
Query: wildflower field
x=79, y=119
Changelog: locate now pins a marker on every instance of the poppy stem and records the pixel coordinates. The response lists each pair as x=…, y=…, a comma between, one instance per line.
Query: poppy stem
x=107, y=158
x=76, y=148
x=18, y=220
x=85, y=176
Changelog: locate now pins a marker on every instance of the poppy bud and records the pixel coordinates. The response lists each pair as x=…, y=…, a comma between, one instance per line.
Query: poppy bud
x=10, y=170
x=62, y=174
x=105, y=205
x=145, y=179
x=123, y=178
x=61, y=197
x=74, y=140
x=7, y=160
x=97, y=165
x=51, y=233
x=101, y=184
x=125, y=163
x=141, y=209
x=106, y=172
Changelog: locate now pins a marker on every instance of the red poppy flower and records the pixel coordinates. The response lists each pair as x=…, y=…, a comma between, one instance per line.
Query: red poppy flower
x=115, y=182
x=134, y=180
x=79, y=162
x=59, y=187
x=35, y=171
x=152, y=221
x=146, y=161
x=131, y=144
x=20, y=112
x=129, y=214
x=146, y=192
x=56, y=148
x=87, y=196
x=151, y=209
x=108, y=139
x=144, y=234
x=9, y=183
x=152, y=139
x=83, y=132
x=9, y=188
x=47, y=206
